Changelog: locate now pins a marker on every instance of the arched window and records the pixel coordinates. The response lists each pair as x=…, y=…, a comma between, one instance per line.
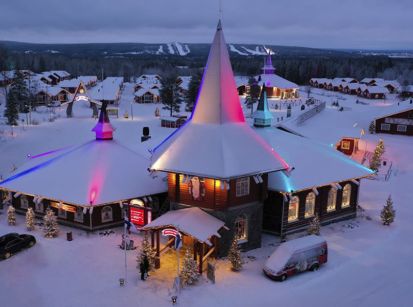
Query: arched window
x=309, y=205
x=107, y=214
x=331, y=200
x=345, y=202
x=293, y=209
x=241, y=229
x=24, y=202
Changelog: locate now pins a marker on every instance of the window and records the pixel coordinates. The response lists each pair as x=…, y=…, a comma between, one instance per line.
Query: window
x=79, y=215
x=61, y=213
x=401, y=128
x=24, y=202
x=241, y=229
x=148, y=98
x=107, y=214
x=309, y=205
x=345, y=145
x=345, y=202
x=243, y=186
x=331, y=200
x=293, y=209
x=385, y=127
x=39, y=207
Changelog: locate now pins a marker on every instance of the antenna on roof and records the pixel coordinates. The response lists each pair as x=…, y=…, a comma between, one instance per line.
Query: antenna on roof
x=220, y=10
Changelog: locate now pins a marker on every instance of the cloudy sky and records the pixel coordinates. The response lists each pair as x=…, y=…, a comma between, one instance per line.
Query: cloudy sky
x=372, y=24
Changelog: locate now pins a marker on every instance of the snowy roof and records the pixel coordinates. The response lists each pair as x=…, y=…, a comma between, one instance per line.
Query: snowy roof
x=87, y=79
x=273, y=80
x=368, y=80
x=394, y=109
x=192, y=221
x=69, y=83
x=214, y=140
x=285, y=251
x=59, y=73
x=241, y=80
x=315, y=164
x=409, y=88
x=263, y=112
x=108, y=89
x=377, y=90
x=184, y=82
x=320, y=80
x=354, y=86
x=142, y=91
x=89, y=172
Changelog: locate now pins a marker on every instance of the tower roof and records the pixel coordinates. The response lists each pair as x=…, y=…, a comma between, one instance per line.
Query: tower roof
x=103, y=128
x=216, y=142
x=268, y=68
x=263, y=116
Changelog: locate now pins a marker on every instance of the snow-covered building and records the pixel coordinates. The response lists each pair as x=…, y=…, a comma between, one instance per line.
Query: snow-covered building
x=400, y=121
x=109, y=90
x=147, y=89
x=88, y=184
x=375, y=92
x=84, y=82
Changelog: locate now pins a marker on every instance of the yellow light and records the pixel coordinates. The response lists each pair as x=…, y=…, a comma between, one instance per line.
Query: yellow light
x=217, y=183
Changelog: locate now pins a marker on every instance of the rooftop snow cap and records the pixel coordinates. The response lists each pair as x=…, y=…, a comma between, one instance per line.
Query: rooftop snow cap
x=263, y=116
x=103, y=129
x=216, y=142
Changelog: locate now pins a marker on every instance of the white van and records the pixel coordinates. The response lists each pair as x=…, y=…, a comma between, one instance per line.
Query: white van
x=299, y=255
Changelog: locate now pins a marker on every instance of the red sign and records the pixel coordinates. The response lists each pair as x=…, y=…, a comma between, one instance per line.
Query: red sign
x=137, y=216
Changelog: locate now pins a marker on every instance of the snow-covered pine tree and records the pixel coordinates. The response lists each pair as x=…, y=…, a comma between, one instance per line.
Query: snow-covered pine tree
x=388, y=213
x=50, y=228
x=171, y=99
x=375, y=161
x=314, y=227
x=11, y=215
x=192, y=93
x=234, y=256
x=372, y=127
x=146, y=250
x=30, y=219
x=189, y=273
x=11, y=111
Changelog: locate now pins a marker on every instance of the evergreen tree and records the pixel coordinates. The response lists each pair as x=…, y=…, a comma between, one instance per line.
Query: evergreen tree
x=193, y=89
x=189, y=274
x=30, y=219
x=388, y=213
x=19, y=92
x=253, y=94
x=50, y=228
x=372, y=127
x=375, y=161
x=11, y=215
x=146, y=250
x=234, y=255
x=171, y=99
x=314, y=227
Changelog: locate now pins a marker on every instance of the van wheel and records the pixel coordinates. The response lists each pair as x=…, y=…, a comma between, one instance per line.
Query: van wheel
x=314, y=267
x=283, y=277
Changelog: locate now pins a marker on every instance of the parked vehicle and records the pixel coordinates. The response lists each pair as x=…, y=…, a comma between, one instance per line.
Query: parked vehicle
x=295, y=256
x=13, y=243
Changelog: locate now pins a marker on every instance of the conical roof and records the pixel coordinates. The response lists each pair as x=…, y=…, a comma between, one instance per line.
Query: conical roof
x=268, y=68
x=263, y=116
x=103, y=128
x=216, y=142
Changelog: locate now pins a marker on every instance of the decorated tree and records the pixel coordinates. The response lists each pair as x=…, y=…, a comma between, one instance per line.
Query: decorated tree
x=189, y=273
x=375, y=161
x=30, y=219
x=314, y=227
x=234, y=256
x=372, y=127
x=50, y=228
x=388, y=213
x=146, y=250
x=11, y=215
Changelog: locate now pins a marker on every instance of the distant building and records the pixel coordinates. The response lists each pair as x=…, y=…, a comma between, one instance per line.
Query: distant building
x=400, y=122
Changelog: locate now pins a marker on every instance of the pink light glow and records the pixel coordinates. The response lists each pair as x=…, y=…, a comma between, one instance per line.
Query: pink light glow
x=93, y=193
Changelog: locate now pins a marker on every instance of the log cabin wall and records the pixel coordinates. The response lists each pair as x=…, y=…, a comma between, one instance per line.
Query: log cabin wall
x=408, y=115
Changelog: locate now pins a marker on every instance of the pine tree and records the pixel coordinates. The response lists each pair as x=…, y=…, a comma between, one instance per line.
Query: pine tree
x=192, y=93
x=30, y=219
x=375, y=161
x=171, y=99
x=314, y=227
x=388, y=213
x=146, y=250
x=372, y=127
x=234, y=256
x=19, y=92
x=189, y=274
x=11, y=111
x=11, y=215
x=50, y=228
x=253, y=94
x=380, y=147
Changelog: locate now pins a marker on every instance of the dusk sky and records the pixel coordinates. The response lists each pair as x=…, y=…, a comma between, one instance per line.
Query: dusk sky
x=370, y=24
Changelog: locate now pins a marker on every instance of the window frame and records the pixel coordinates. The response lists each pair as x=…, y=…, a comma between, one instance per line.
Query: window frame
x=308, y=204
x=345, y=144
x=242, y=187
x=329, y=196
x=296, y=201
x=25, y=201
x=76, y=215
x=401, y=126
x=61, y=213
x=385, y=127
x=110, y=218
x=346, y=200
x=241, y=222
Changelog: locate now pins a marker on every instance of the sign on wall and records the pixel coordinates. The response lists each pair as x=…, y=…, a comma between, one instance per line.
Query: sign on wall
x=137, y=216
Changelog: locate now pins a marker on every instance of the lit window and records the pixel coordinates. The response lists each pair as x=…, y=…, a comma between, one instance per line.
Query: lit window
x=331, y=200
x=79, y=215
x=385, y=127
x=401, y=128
x=61, y=213
x=293, y=209
x=345, y=145
x=107, y=214
x=309, y=205
x=243, y=186
x=148, y=98
x=345, y=202
x=24, y=202
x=39, y=207
x=241, y=229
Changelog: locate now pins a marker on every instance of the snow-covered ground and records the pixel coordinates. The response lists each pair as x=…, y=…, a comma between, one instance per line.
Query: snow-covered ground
x=369, y=264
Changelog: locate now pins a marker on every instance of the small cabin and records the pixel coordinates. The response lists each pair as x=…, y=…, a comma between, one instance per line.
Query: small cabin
x=173, y=122
x=348, y=145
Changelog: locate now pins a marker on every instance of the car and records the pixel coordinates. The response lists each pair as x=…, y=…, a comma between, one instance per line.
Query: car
x=295, y=256
x=13, y=243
